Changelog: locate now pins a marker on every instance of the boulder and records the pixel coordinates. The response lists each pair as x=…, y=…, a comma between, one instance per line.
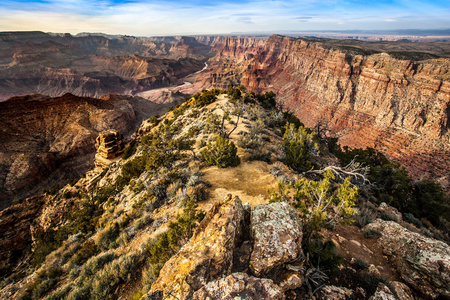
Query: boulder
x=207, y=256
x=422, y=262
x=383, y=293
x=390, y=212
x=239, y=286
x=291, y=281
x=402, y=291
x=276, y=232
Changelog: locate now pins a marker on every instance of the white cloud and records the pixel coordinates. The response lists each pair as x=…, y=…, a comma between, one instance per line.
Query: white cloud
x=173, y=18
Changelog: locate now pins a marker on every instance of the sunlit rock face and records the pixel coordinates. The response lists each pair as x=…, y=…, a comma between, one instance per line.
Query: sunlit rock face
x=400, y=107
x=422, y=262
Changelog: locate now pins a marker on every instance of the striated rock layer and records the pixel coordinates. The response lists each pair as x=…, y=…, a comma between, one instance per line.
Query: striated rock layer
x=36, y=62
x=46, y=140
x=399, y=107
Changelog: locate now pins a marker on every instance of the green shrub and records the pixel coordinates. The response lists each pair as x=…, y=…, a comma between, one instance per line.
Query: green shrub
x=154, y=120
x=300, y=147
x=169, y=242
x=142, y=222
x=60, y=293
x=93, y=265
x=205, y=98
x=46, y=242
x=413, y=220
x=324, y=254
x=366, y=216
x=88, y=249
x=371, y=233
x=128, y=151
x=369, y=282
x=430, y=201
x=221, y=154
x=107, y=235
x=118, y=271
x=321, y=205
x=80, y=293
x=43, y=288
x=360, y=264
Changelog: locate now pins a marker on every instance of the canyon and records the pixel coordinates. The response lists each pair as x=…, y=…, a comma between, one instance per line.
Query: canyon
x=365, y=97
x=91, y=66
x=391, y=96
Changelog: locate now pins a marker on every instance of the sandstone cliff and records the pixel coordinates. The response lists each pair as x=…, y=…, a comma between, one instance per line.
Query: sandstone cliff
x=399, y=107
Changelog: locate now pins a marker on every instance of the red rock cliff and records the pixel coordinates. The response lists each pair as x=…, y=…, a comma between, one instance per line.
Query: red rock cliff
x=397, y=106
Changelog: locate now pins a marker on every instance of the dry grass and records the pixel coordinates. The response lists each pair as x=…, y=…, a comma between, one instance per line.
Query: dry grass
x=249, y=181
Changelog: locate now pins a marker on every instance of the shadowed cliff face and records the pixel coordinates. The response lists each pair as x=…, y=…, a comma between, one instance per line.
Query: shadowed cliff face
x=400, y=107
x=46, y=140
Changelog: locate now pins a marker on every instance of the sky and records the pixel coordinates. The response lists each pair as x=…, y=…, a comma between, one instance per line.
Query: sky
x=177, y=17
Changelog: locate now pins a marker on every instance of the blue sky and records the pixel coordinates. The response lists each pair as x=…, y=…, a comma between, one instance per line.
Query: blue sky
x=174, y=17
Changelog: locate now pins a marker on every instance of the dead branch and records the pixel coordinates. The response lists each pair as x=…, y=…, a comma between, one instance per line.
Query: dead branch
x=354, y=170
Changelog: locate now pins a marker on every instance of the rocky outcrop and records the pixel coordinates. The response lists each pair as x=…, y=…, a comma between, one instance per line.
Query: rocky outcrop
x=109, y=145
x=239, y=286
x=48, y=140
x=15, y=232
x=383, y=293
x=331, y=292
x=402, y=291
x=277, y=235
x=207, y=256
x=422, y=262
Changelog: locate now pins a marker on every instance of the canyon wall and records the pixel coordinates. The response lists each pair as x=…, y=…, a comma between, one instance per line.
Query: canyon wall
x=91, y=66
x=399, y=107
x=48, y=140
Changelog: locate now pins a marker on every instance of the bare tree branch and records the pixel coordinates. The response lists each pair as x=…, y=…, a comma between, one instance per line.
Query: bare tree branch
x=354, y=170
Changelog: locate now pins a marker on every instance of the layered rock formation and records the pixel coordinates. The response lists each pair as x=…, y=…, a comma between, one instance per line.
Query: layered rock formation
x=399, y=107
x=46, y=140
x=423, y=263
x=15, y=231
x=91, y=66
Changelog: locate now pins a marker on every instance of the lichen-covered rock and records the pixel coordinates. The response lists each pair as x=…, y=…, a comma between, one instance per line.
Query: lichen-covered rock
x=239, y=286
x=292, y=280
x=277, y=236
x=383, y=293
x=391, y=212
x=402, y=291
x=207, y=256
x=423, y=263
x=332, y=292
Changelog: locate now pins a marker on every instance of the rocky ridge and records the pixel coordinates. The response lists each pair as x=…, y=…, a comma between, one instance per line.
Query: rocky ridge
x=423, y=263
